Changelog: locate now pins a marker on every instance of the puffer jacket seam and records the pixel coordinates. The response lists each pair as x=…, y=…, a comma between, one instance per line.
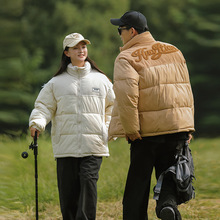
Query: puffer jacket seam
x=166, y=109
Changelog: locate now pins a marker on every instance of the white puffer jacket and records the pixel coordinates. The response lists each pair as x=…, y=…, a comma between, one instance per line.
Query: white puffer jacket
x=79, y=103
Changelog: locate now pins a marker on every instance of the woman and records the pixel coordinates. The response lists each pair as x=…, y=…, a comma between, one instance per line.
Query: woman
x=78, y=100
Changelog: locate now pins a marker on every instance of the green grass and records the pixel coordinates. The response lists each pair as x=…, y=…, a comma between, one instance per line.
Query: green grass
x=17, y=192
x=17, y=174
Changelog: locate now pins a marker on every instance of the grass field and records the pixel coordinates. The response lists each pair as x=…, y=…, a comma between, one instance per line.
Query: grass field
x=17, y=192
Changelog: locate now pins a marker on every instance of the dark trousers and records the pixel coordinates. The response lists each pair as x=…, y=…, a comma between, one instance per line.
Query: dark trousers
x=77, y=185
x=146, y=154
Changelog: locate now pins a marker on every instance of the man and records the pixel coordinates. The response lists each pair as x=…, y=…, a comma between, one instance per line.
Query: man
x=154, y=110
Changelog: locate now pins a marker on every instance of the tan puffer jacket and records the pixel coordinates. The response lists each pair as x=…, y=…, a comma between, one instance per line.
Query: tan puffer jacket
x=152, y=88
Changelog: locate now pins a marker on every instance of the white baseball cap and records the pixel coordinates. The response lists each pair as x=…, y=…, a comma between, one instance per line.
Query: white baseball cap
x=73, y=39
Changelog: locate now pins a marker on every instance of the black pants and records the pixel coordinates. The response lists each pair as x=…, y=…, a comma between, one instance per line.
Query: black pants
x=146, y=154
x=77, y=184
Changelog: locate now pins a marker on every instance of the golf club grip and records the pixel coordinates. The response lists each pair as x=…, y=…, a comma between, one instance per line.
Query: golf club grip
x=35, y=138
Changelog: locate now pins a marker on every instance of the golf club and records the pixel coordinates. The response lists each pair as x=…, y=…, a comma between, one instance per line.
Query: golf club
x=34, y=146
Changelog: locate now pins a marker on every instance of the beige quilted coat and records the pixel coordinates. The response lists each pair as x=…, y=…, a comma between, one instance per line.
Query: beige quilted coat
x=152, y=88
x=79, y=103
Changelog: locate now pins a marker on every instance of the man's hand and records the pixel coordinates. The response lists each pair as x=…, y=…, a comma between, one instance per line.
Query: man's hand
x=190, y=138
x=133, y=137
x=33, y=132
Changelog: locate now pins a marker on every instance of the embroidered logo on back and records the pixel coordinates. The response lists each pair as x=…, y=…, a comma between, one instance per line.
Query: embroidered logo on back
x=155, y=53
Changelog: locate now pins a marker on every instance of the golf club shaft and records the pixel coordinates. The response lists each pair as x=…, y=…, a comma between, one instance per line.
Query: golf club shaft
x=36, y=173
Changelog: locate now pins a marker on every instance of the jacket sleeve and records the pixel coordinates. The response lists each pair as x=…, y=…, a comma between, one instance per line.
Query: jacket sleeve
x=45, y=107
x=126, y=87
x=109, y=101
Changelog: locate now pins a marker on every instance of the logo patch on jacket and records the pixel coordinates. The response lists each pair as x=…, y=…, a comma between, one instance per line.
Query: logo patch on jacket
x=155, y=53
x=97, y=90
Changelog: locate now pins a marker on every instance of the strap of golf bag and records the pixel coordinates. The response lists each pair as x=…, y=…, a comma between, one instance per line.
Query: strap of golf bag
x=157, y=188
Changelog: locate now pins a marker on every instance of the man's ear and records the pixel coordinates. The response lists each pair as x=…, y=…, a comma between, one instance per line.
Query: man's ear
x=134, y=32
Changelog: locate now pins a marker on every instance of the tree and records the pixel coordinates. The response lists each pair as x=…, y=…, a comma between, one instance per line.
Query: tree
x=14, y=96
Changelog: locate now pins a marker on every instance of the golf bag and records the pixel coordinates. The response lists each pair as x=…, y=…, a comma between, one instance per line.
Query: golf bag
x=183, y=174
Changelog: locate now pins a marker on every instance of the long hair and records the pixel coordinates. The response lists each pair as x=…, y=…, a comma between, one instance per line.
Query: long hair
x=66, y=60
x=64, y=63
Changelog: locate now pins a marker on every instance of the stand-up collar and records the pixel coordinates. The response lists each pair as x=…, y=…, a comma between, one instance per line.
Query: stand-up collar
x=141, y=39
x=81, y=71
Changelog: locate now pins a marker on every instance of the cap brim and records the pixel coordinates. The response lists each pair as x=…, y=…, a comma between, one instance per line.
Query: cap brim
x=116, y=21
x=86, y=41
x=75, y=43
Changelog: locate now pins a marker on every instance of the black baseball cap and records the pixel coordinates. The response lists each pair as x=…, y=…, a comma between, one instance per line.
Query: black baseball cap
x=131, y=18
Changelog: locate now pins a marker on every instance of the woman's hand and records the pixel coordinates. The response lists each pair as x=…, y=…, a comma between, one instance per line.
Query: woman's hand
x=33, y=130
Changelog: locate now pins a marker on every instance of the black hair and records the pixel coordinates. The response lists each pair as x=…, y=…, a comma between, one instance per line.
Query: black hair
x=64, y=63
x=137, y=29
x=141, y=31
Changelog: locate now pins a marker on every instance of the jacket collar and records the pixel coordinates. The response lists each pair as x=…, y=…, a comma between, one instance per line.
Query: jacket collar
x=141, y=39
x=79, y=71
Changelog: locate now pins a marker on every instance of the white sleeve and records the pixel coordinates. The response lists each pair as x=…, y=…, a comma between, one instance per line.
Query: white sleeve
x=109, y=101
x=45, y=107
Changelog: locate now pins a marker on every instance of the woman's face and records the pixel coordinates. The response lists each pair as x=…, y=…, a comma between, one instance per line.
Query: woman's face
x=77, y=54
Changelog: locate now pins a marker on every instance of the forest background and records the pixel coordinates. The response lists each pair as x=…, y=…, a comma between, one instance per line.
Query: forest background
x=32, y=32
